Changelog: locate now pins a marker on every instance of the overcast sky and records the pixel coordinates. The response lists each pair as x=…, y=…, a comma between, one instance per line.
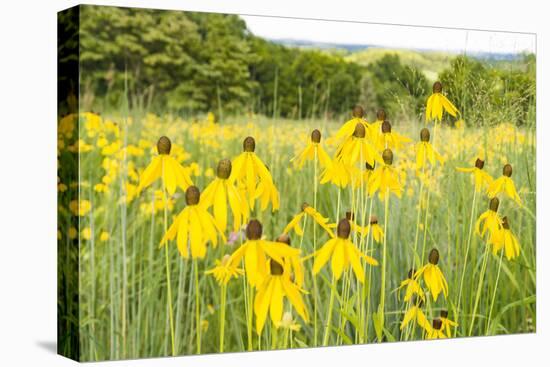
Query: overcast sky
x=393, y=36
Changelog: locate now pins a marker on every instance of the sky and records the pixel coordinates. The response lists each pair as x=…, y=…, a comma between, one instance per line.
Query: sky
x=391, y=36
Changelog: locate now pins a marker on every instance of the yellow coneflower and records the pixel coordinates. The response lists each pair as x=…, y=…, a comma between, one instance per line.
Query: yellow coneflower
x=415, y=313
x=225, y=270
x=436, y=330
x=337, y=173
x=481, y=178
x=313, y=148
x=307, y=209
x=375, y=128
x=433, y=276
x=349, y=126
x=412, y=287
x=292, y=263
x=194, y=227
x=375, y=228
x=425, y=151
x=271, y=293
x=222, y=192
x=266, y=192
x=357, y=174
x=389, y=139
x=504, y=184
x=437, y=102
x=489, y=220
x=354, y=226
x=357, y=147
x=166, y=167
x=255, y=251
x=343, y=254
x=505, y=239
x=385, y=178
x=446, y=322
x=249, y=169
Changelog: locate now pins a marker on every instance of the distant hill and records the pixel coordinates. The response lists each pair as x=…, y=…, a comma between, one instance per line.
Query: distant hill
x=430, y=62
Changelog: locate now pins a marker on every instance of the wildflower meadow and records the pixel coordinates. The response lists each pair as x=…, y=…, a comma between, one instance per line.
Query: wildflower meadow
x=217, y=232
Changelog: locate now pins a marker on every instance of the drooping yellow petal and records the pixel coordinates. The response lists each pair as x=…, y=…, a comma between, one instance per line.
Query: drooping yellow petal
x=323, y=255
x=276, y=308
x=150, y=174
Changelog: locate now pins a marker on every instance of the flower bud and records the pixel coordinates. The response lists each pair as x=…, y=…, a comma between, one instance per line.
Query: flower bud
x=164, y=145
x=316, y=136
x=224, y=169
x=344, y=228
x=192, y=195
x=249, y=144
x=254, y=230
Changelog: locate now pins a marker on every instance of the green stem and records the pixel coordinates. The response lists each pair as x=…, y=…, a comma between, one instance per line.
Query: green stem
x=222, y=315
x=315, y=293
x=479, y=286
x=167, y=263
x=383, y=282
x=494, y=293
x=330, y=308
x=197, y=307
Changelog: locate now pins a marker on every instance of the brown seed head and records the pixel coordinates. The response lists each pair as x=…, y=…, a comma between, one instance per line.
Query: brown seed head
x=505, y=223
x=350, y=215
x=381, y=115
x=411, y=273
x=284, y=238
x=480, y=163
x=444, y=313
x=360, y=131
x=249, y=144
x=386, y=127
x=417, y=301
x=254, y=230
x=433, y=258
x=373, y=219
x=358, y=111
x=387, y=156
x=224, y=169
x=369, y=167
x=164, y=145
x=437, y=324
x=276, y=268
x=344, y=228
x=507, y=170
x=192, y=195
x=304, y=206
x=438, y=87
x=316, y=136
x=425, y=135
x=493, y=204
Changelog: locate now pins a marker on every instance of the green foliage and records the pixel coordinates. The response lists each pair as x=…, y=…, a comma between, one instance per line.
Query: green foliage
x=486, y=95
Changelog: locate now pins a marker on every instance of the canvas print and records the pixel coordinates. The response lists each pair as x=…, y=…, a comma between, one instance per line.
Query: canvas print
x=234, y=183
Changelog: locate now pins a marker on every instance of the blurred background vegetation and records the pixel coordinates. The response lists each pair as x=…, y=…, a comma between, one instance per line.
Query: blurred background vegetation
x=191, y=63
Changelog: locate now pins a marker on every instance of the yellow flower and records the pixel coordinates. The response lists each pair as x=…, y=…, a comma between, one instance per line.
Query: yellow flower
x=385, y=179
x=249, y=169
x=357, y=147
x=490, y=219
x=412, y=287
x=504, y=238
x=388, y=139
x=425, y=151
x=313, y=148
x=436, y=330
x=375, y=128
x=194, y=226
x=343, y=253
x=266, y=191
x=433, y=276
x=80, y=207
x=87, y=233
x=271, y=293
x=504, y=184
x=349, y=126
x=255, y=251
x=415, y=313
x=481, y=178
x=337, y=173
x=222, y=192
x=225, y=270
x=437, y=102
x=292, y=264
x=295, y=223
x=375, y=228
x=166, y=167
x=288, y=323
x=447, y=323
x=104, y=236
